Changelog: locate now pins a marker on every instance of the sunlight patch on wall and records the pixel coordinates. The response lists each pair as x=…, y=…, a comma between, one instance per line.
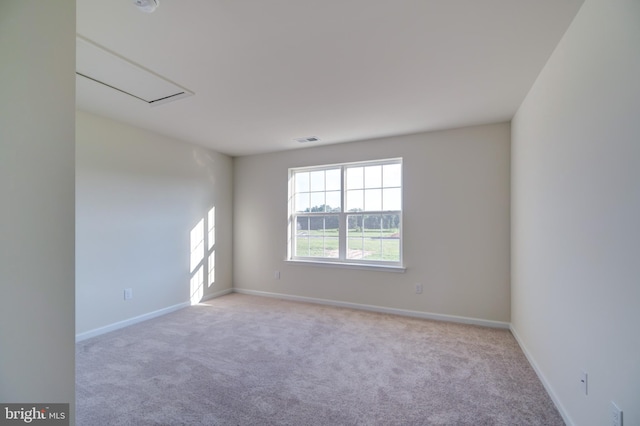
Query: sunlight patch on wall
x=211, y=242
x=197, y=286
x=202, y=261
x=197, y=245
x=212, y=268
x=211, y=222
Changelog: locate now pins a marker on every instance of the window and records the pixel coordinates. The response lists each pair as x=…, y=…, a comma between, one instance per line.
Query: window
x=347, y=213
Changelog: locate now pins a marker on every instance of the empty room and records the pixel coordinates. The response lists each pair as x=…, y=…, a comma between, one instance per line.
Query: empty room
x=286, y=212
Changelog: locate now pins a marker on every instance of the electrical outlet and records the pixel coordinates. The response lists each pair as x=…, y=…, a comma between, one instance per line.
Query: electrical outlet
x=128, y=293
x=276, y=275
x=584, y=382
x=418, y=288
x=616, y=415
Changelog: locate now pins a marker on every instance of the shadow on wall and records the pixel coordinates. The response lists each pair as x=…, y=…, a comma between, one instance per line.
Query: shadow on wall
x=203, y=256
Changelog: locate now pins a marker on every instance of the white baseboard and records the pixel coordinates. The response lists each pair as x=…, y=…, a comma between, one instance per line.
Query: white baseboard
x=144, y=317
x=216, y=294
x=121, y=324
x=416, y=314
x=381, y=309
x=543, y=379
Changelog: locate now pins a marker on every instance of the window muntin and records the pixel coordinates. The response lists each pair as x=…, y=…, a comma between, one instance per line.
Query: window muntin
x=366, y=231
x=317, y=191
x=373, y=237
x=317, y=236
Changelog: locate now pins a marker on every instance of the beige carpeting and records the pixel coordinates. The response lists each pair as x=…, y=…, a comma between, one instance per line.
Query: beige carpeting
x=246, y=360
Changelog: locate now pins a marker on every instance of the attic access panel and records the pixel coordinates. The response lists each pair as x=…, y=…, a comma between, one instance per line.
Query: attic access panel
x=102, y=66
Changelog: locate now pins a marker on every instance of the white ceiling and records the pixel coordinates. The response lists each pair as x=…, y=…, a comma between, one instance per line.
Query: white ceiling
x=266, y=72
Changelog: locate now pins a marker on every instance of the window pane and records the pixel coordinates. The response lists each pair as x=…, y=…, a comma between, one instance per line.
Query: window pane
x=354, y=226
x=317, y=181
x=373, y=249
x=372, y=225
x=333, y=201
x=302, y=202
x=302, y=246
x=354, y=248
x=302, y=227
x=355, y=236
x=373, y=199
x=331, y=225
x=391, y=249
x=392, y=174
x=392, y=199
x=317, y=236
x=302, y=181
x=333, y=180
x=316, y=223
x=373, y=176
x=391, y=224
x=302, y=237
x=355, y=178
x=331, y=247
x=355, y=200
x=317, y=201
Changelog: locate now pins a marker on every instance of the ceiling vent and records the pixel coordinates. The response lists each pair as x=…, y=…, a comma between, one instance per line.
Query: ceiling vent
x=104, y=67
x=306, y=140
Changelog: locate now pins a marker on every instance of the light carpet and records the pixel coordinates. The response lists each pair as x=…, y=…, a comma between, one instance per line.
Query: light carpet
x=248, y=360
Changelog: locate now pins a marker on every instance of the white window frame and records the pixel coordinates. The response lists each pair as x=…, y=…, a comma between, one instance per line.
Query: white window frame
x=342, y=259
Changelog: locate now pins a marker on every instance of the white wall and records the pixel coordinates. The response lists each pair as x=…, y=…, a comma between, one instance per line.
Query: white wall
x=575, y=211
x=37, y=114
x=138, y=196
x=456, y=225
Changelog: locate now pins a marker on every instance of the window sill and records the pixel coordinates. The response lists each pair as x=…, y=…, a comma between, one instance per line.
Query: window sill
x=344, y=265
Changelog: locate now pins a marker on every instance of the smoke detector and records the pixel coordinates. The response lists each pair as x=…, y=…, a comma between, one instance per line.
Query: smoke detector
x=147, y=6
